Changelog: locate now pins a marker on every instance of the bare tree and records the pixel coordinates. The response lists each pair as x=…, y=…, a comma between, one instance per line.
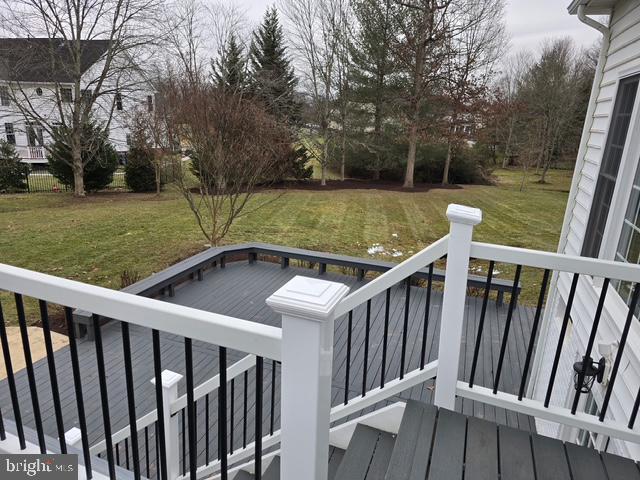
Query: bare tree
x=90, y=50
x=235, y=147
x=317, y=41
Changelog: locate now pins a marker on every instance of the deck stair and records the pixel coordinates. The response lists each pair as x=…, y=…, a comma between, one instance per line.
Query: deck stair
x=440, y=444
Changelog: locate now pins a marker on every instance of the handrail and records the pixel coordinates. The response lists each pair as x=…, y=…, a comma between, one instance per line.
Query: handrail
x=556, y=261
x=209, y=327
x=200, y=391
x=388, y=279
x=213, y=383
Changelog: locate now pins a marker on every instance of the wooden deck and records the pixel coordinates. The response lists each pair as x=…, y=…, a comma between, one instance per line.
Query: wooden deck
x=240, y=290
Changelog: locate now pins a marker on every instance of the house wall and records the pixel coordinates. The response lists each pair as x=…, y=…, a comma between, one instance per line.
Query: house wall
x=621, y=58
x=134, y=94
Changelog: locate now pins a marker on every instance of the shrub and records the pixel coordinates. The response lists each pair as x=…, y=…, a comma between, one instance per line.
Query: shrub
x=299, y=167
x=98, y=156
x=140, y=172
x=13, y=173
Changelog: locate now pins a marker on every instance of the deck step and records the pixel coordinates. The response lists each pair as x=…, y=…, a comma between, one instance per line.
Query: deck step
x=242, y=475
x=273, y=470
x=335, y=459
x=367, y=456
x=410, y=457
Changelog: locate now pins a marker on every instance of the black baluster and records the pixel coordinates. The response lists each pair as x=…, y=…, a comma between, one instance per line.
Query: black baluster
x=405, y=327
x=348, y=362
x=590, y=342
x=385, y=337
x=17, y=416
x=258, y=440
x=77, y=383
x=128, y=369
x=222, y=413
x=563, y=331
x=191, y=409
x=184, y=441
x=507, y=326
x=623, y=341
x=104, y=396
x=126, y=452
x=26, y=350
x=534, y=331
x=53, y=377
x=146, y=449
x=366, y=348
x=161, y=434
x=207, y=426
x=244, y=409
x=117, y=448
x=425, y=328
x=231, y=412
x=273, y=396
x=483, y=313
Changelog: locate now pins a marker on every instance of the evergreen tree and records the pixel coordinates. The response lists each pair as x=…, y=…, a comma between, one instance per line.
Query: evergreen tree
x=272, y=77
x=230, y=68
x=13, y=173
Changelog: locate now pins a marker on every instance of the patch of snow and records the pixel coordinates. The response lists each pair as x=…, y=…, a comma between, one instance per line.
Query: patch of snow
x=375, y=248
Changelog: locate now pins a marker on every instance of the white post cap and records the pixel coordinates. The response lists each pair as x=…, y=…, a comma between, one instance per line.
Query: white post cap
x=463, y=214
x=309, y=298
x=169, y=379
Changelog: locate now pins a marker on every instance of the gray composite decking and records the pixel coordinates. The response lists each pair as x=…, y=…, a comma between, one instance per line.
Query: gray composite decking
x=240, y=290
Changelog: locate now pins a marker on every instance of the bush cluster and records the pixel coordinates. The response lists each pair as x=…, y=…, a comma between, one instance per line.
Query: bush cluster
x=13, y=173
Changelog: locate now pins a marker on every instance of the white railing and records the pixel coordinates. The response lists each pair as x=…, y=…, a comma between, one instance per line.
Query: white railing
x=304, y=345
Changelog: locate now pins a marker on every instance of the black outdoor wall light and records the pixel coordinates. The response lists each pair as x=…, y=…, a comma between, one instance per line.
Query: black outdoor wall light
x=592, y=371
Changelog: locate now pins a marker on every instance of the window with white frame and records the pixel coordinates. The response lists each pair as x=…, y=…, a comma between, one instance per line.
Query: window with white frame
x=66, y=95
x=610, y=165
x=629, y=244
x=589, y=439
x=10, y=133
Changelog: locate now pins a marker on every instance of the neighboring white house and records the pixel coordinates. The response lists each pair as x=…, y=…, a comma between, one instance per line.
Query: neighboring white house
x=601, y=221
x=25, y=75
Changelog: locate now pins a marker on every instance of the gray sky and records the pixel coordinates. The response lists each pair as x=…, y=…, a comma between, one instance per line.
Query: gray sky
x=528, y=21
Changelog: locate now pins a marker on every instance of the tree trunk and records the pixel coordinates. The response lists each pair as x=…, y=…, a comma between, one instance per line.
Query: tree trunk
x=447, y=165
x=77, y=167
x=325, y=159
x=411, y=155
x=343, y=160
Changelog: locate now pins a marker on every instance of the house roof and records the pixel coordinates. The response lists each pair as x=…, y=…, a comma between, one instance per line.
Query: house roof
x=44, y=59
x=592, y=7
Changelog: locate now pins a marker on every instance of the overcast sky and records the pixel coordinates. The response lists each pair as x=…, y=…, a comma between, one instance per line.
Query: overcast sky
x=528, y=21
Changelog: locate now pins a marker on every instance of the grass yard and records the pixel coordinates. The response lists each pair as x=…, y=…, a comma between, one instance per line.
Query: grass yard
x=96, y=239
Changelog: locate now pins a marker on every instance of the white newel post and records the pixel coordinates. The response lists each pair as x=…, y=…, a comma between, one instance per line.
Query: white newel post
x=307, y=306
x=170, y=382
x=462, y=219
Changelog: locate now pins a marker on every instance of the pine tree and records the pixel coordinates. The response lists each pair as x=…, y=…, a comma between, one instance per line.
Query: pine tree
x=230, y=68
x=273, y=80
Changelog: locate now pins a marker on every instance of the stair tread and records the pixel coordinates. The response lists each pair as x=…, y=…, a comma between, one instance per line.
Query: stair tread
x=242, y=475
x=335, y=458
x=273, y=470
x=381, y=457
x=410, y=457
x=360, y=454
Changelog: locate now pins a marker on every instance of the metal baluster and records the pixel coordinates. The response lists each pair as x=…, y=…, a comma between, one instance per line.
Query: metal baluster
x=244, y=410
x=590, y=342
x=348, y=362
x=222, y=413
x=158, y=454
x=507, y=326
x=146, y=449
x=104, y=396
x=563, y=331
x=231, y=412
x=51, y=362
x=11, y=381
x=128, y=369
x=191, y=409
x=623, y=341
x=184, y=441
x=126, y=451
x=258, y=439
x=534, y=330
x=206, y=429
x=425, y=328
x=273, y=396
x=161, y=434
x=77, y=383
x=117, y=447
x=385, y=337
x=483, y=312
x=26, y=350
x=407, y=302
x=366, y=348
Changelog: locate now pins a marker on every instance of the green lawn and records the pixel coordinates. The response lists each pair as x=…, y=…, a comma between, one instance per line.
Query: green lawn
x=96, y=239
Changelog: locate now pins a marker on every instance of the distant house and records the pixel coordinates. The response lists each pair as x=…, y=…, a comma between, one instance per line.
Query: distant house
x=602, y=221
x=27, y=75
